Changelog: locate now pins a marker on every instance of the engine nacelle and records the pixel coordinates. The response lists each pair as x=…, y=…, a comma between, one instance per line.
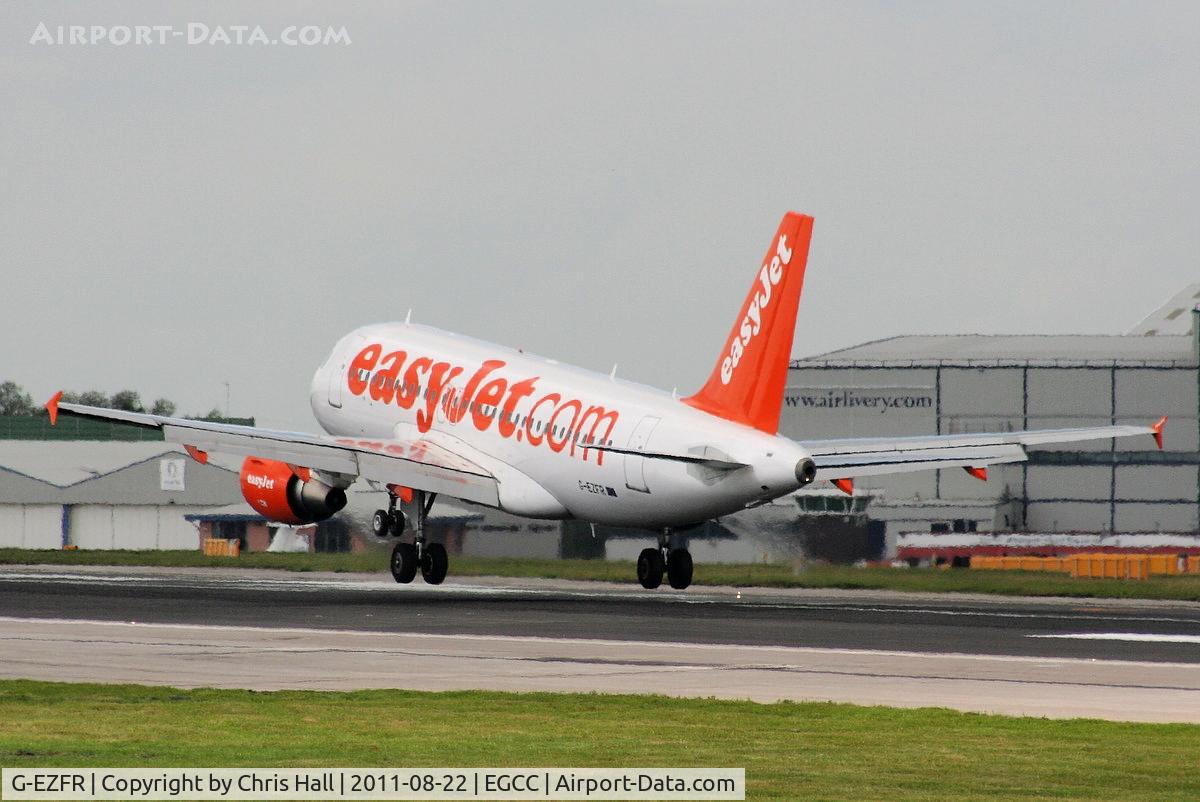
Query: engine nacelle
x=275, y=491
x=806, y=471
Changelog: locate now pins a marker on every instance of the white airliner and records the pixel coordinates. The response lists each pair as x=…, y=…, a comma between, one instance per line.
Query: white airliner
x=422, y=412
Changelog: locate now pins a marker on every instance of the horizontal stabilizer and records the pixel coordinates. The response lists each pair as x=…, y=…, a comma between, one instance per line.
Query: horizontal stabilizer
x=876, y=456
x=877, y=463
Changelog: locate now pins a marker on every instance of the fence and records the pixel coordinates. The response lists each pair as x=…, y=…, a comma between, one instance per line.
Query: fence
x=220, y=547
x=1096, y=566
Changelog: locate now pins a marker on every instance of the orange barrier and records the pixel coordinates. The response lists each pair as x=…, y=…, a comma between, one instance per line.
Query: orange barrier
x=220, y=547
x=1096, y=566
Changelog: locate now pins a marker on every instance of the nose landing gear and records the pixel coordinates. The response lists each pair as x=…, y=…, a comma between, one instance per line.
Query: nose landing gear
x=676, y=563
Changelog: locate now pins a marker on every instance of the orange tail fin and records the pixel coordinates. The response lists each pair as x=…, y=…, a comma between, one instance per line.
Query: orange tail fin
x=747, y=383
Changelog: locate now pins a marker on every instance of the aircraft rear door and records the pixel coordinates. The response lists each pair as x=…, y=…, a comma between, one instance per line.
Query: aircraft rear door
x=635, y=464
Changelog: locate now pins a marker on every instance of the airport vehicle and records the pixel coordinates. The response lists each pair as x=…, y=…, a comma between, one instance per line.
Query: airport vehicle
x=422, y=412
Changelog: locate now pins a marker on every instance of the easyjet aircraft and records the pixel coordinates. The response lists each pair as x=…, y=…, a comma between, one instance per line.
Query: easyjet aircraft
x=422, y=412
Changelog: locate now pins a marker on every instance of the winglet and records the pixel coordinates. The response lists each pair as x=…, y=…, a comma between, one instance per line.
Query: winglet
x=1157, y=426
x=978, y=473
x=197, y=454
x=52, y=407
x=844, y=485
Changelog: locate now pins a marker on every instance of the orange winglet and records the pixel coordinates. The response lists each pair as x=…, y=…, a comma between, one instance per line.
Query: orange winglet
x=1157, y=426
x=978, y=473
x=405, y=494
x=52, y=407
x=844, y=485
x=302, y=473
x=197, y=454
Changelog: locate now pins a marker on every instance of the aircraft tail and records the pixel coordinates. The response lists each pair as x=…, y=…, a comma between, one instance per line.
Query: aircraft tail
x=747, y=383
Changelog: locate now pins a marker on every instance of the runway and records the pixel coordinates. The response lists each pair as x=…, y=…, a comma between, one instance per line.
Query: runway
x=1121, y=660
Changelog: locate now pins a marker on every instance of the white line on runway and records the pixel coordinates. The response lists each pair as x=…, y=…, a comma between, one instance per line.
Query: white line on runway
x=1140, y=637
x=616, y=644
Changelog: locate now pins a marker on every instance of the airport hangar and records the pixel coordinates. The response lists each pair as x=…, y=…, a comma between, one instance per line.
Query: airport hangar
x=103, y=494
x=916, y=385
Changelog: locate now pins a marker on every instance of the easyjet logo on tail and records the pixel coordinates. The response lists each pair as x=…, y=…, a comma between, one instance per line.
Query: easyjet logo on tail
x=769, y=277
x=760, y=341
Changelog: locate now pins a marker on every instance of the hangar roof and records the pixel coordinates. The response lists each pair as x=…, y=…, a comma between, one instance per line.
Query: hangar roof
x=1173, y=317
x=984, y=350
x=68, y=462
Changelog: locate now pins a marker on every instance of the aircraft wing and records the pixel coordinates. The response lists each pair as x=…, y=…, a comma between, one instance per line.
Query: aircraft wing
x=408, y=463
x=873, y=456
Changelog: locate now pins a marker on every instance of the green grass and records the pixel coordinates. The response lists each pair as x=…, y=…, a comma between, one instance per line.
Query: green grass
x=789, y=750
x=1022, y=583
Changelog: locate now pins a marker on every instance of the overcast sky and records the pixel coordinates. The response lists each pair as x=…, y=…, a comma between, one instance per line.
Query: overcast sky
x=596, y=182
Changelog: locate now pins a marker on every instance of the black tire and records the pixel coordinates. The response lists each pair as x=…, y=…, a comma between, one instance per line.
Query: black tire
x=650, y=568
x=434, y=564
x=380, y=523
x=679, y=568
x=398, y=522
x=404, y=563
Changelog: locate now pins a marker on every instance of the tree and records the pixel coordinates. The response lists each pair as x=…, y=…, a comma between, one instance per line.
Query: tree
x=127, y=401
x=164, y=407
x=93, y=398
x=213, y=414
x=14, y=400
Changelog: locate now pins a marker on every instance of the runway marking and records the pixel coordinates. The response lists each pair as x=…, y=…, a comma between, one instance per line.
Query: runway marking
x=1138, y=637
x=537, y=639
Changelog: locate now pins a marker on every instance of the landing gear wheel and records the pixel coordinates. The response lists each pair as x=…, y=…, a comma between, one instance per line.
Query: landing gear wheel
x=381, y=523
x=650, y=568
x=404, y=562
x=679, y=568
x=434, y=564
x=397, y=523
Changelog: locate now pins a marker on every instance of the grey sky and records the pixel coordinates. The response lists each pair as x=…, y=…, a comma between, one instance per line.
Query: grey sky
x=592, y=182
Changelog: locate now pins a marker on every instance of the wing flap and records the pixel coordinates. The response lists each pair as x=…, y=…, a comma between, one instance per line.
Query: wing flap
x=431, y=478
x=318, y=456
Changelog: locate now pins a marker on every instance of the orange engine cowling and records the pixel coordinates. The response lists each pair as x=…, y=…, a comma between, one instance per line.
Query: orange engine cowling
x=275, y=491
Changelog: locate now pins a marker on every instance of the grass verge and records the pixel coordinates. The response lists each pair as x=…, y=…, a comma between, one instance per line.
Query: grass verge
x=935, y=580
x=789, y=751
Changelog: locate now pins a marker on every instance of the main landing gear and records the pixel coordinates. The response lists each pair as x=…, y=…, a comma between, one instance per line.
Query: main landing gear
x=676, y=563
x=407, y=558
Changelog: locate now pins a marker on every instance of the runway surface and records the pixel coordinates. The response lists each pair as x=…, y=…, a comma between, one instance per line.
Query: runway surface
x=268, y=630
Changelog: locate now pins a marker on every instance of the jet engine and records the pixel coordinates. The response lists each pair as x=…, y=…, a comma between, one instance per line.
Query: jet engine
x=289, y=495
x=806, y=471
